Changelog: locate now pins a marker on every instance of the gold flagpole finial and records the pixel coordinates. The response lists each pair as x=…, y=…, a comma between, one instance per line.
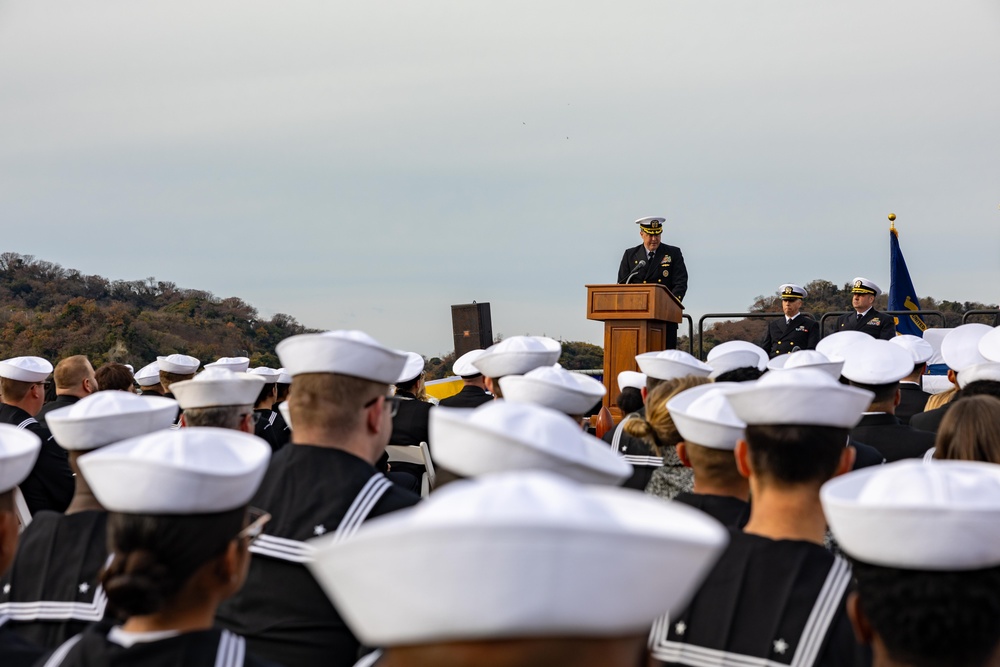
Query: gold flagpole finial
x=892, y=222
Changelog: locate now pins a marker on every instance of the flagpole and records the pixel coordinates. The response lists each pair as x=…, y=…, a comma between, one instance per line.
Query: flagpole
x=892, y=222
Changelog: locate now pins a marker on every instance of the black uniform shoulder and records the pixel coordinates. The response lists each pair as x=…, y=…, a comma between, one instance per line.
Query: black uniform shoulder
x=727, y=510
x=16, y=651
x=469, y=397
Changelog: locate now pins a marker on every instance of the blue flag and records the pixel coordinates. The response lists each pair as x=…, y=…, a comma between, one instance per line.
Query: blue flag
x=902, y=296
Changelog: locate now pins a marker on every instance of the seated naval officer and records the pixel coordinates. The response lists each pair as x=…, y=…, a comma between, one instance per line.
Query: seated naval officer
x=409, y=424
x=22, y=392
x=52, y=591
x=960, y=351
x=506, y=436
x=865, y=318
x=777, y=594
x=18, y=450
x=913, y=398
x=630, y=397
x=323, y=482
x=710, y=430
x=473, y=393
x=148, y=379
x=795, y=330
x=878, y=365
x=924, y=541
x=220, y=398
x=554, y=387
x=574, y=574
x=654, y=262
x=667, y=366
x=268, y=423
x=734, y=365
x=515, y=356
x=176, y=368
x=178, y=535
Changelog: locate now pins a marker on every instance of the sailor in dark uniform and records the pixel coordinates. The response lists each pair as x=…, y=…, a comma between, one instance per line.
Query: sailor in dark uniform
x=795, y=329
x=22, y=392
x=624, y=443
x=927, y=587
x=324, y=482
x=18, y=450
x=777, y=595
x=661, y=264
x=268, y=422
x=220, y=398
x=74, y=378
x=711, y=429
x=553, y=387
x=912, y=397
x=960, y=351
x=178, y=534
x=515, y=356
x=473, y=392
x=148, y=379
x=52, y=591
x=865, y=318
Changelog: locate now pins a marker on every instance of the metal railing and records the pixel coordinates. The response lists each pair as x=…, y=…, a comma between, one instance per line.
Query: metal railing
x=728, y=316
x=690, y=333
x=971, y=313
x=838, y=313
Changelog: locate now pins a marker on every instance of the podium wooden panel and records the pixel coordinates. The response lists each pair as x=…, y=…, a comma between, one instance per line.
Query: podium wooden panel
x=635, y=319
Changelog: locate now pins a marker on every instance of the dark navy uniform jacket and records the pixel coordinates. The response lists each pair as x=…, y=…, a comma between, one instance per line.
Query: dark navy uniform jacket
x=782, y=337
x=729, y=511
x=874, y=323
x=892, y=439
x=469, y=397
x=667, y=268
x=15, y=651
x=912, y=400
x=50, y=484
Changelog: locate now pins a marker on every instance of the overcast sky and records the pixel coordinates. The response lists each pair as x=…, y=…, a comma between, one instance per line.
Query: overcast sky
x=366, y=165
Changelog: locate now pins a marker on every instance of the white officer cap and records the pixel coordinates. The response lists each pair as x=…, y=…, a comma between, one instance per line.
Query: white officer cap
x=651, y=224
x=671, y=364
x=703, y=416
x=181, y=364
x=18, y=451
x=148, y=375
x=876, y=362
x=916, y=515
x=730, y=361
x=865, y=286
x=989, y=345
x=806, y=359
x=804, y=396
x=555, y=388
x=518, y=355
x=25, y=369
x=503, y=436
x=270, y=375
x=197, y=470
x=834, y=346
x=352, y=353
x=960, y=348
x=413, y=368
x=733, y=345
x=631, y=379
x=989, y=371
x=791, y=291
x=216, y=387
x=463, y=365
x=517, y=556
x=284, y=377
x=109, y=416
x=919, y=349
x=234, y=364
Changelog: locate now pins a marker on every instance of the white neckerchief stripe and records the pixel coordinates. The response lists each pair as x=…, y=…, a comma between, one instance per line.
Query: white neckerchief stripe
x=232, y=650
x=3, y=619
x=60, y=653
x=270, y=420
x=61, y=610
x=282, y=549
x=648, y=461
x=370, y=659
x=362, y=506
x=616, y=439
x=822, y=613
x=27, y=422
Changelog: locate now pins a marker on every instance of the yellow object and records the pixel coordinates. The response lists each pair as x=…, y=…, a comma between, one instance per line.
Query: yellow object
x=444, y=387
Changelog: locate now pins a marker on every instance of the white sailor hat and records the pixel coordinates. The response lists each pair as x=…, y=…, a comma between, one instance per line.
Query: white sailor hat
x=631, y=379
x=876, y=362
x=216, y=388
x=18, y=451
x=518, y=355
x=284, y=377
x=180, y=364
x=834, y=346
x=270, y=375
x=916, y=515
x=234, y=364
x=806, y=359
x=732, y=346
x=25, y=369
x=553, y=387
x=130, y=368
x=651, y=225
x=197, y=470
x=148, y=375
x=703, y=416
x=413, y=368
x=790, y=291
x=109, y=416
x=463, y=365
x=352, y=353
x=805, y=396
x=989, y=345
x=671, y=364
x=504, y=436
x=919, y=349
x=518, y=556
x=865, y=286
x=730, y=361
x=960, y=348
x=989, y=371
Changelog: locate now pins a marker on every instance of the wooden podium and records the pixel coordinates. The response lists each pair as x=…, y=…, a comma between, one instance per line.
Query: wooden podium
x=635, y=319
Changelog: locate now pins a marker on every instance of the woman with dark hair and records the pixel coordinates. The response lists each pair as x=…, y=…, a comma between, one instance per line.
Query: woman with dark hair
x=178, y=536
